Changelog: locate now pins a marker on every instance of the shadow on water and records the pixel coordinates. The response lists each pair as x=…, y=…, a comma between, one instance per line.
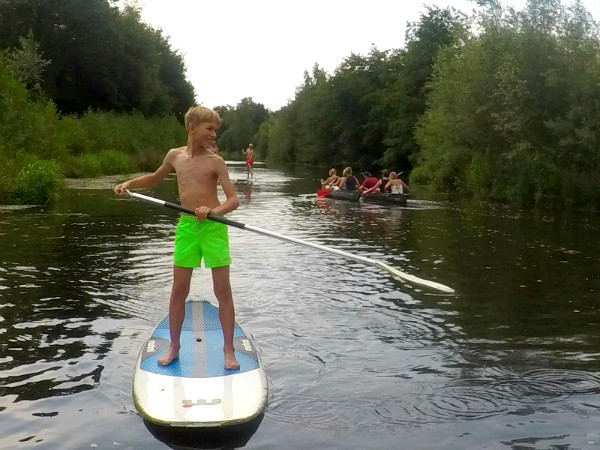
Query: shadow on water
x=234, y=436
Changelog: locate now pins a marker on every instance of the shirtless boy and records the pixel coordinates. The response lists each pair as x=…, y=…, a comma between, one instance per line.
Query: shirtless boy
x=198, y=171
x=249, y=154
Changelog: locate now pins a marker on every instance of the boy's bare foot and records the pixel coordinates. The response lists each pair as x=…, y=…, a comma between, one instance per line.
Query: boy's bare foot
x=230, y=362
x=171, y=355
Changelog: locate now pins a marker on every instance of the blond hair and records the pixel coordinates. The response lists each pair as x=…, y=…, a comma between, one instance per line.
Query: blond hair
x=393, y=175
x=201, y=114
x=332, y=171
x=347, y=171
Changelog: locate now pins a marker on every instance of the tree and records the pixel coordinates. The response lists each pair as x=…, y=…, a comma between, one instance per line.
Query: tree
x=509, y=112
x=101, y=57
x=27, y=63
x=403, y=100
x=240, y=125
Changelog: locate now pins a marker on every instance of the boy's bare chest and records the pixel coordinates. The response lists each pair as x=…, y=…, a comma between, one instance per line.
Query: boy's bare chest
x=194, y=168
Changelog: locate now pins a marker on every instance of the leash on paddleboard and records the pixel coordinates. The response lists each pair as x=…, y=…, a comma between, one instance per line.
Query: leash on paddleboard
x=232, y=223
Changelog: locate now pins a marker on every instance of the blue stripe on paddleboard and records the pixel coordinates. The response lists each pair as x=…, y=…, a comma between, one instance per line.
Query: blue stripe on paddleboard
x=209, y=352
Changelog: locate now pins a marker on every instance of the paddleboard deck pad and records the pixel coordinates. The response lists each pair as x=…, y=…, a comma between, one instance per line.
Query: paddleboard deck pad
x=196, y=390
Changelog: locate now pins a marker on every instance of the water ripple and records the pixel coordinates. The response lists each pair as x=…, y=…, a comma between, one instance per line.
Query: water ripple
x=348, y=349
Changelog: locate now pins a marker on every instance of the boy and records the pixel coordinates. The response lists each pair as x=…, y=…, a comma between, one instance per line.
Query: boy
x=198, y=171
x=249, y=154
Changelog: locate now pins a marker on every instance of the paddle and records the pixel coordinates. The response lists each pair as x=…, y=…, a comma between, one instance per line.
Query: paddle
x=323, y=192
x=232, y=223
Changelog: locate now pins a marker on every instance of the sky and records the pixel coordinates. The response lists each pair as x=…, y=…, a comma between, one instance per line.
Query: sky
x=260, y=49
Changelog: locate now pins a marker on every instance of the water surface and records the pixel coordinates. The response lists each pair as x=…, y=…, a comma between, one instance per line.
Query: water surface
x=354, y=358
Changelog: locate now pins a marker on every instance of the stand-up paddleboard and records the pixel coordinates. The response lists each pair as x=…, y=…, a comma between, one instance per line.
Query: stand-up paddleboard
x=196, y=390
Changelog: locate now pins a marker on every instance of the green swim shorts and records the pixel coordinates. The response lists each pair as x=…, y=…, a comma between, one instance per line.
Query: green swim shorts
x=197, y=239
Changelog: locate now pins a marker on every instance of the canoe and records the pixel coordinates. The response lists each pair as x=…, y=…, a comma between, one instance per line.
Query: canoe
x=352, y=196
x=396, y=199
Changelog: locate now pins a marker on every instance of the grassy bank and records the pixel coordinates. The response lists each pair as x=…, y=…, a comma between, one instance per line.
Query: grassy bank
x=39, y=147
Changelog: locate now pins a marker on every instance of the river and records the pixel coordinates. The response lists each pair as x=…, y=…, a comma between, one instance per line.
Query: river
x=355, y=359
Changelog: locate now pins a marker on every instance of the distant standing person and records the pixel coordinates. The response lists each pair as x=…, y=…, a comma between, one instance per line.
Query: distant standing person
x=249, y=154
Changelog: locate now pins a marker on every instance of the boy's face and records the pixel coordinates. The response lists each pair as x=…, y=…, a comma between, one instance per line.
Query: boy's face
x=204, y=133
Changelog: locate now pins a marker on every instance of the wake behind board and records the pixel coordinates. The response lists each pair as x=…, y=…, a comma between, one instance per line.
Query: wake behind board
x=196, y=390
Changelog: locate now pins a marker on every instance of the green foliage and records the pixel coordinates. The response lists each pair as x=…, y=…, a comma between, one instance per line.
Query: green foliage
x=280, y=138
x=313, y=125
x=27, y=63
x=403, y=99
x=144, y=141
x=101, y=57
x=502, y=105
x=519, y=98
x=365, y=113
x=106, y=162
x=37, y=145
x=27, y=126
x=38, y=182
x=479, y=174
x=240, y=127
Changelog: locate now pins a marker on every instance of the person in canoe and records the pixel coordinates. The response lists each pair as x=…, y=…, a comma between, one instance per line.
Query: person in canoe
x=249, y=154
x=348, y=182
x=385, y=177
x=396, y=185
x=370, y=184
x=331, y=181
x=198, y=171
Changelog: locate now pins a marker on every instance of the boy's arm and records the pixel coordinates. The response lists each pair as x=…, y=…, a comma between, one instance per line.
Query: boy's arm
x=148, y=180
x=232, y=201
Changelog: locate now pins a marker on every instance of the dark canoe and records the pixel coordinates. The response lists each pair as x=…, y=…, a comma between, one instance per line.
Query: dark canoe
x=396, y=199
x=352, y=196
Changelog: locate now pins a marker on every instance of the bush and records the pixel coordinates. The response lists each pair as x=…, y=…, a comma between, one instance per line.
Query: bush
x=106, y=162
x=37, y=183
x=478, y=176
x=145, y=141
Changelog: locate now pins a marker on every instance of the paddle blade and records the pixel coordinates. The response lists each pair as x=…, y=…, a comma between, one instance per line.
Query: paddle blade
x=412, y=279
x=323, y=192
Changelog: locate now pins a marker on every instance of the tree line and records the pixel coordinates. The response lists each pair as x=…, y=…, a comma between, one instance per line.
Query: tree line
x=97, y=56
x=499, y=104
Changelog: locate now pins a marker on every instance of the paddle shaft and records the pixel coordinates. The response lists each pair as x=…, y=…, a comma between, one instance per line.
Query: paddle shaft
x=243, y=226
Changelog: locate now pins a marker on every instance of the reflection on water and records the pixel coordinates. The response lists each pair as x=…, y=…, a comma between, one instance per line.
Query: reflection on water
x=235, y=436
x=355, y=359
